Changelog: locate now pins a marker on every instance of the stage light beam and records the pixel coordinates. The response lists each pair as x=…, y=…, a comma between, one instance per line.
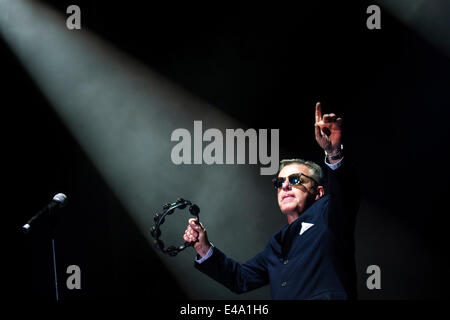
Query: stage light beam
x=122, y=114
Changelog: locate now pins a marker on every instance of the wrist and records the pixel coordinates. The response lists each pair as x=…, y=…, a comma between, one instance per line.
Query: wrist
x=335, y=153
x=203, y=250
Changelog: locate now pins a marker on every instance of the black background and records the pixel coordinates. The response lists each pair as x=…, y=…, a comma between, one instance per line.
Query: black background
x=265, y=65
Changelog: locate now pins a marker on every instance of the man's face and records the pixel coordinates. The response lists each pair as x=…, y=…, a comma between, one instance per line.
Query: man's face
x=295, y=199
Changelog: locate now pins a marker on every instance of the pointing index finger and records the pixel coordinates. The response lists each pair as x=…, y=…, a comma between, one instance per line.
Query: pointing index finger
x=318, y=112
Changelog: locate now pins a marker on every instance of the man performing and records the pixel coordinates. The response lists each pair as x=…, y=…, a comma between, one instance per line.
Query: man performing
x=312, y=257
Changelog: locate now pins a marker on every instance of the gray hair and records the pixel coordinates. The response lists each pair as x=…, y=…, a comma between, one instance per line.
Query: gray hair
x=315, y=171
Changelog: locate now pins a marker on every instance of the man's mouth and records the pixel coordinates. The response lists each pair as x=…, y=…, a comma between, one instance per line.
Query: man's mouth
x=285, y=196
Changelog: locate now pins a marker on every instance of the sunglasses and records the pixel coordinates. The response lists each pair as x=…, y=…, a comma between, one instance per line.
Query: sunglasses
x=294, y=179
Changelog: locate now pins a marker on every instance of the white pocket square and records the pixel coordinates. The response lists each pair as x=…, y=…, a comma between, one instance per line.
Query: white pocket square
x=305, y=226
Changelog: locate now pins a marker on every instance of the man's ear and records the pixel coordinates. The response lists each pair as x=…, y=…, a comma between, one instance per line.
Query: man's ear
x=320, y=192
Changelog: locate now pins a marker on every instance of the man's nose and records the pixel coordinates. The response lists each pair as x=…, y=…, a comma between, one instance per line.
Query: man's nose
x=285, y=185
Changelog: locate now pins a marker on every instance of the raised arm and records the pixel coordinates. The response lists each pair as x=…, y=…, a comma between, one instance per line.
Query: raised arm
x=343, y=184
x=328, y=131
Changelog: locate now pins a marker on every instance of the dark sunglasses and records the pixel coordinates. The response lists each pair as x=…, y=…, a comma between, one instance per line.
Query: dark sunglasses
x=294, y=179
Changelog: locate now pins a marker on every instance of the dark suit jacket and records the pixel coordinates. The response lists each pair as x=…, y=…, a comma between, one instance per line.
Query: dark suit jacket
x=316, y=264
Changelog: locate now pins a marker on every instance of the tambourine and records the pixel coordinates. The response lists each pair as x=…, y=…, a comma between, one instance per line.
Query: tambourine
x=159, y=219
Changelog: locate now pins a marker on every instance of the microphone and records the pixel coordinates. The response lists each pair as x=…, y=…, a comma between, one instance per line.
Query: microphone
x=58, y=201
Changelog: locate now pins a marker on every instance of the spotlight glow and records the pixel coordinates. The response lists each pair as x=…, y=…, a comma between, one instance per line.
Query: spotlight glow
x=123, y=115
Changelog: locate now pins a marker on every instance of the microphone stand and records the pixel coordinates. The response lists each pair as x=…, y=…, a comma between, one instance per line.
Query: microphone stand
x=57, y=202
x=53, y=235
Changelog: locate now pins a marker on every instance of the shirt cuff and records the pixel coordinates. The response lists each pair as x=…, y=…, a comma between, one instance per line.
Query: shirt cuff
x=207, y=255
x=334, y=166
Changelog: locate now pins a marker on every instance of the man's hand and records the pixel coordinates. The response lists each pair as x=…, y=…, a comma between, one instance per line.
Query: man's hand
x=197, y=234
x=328, y=131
